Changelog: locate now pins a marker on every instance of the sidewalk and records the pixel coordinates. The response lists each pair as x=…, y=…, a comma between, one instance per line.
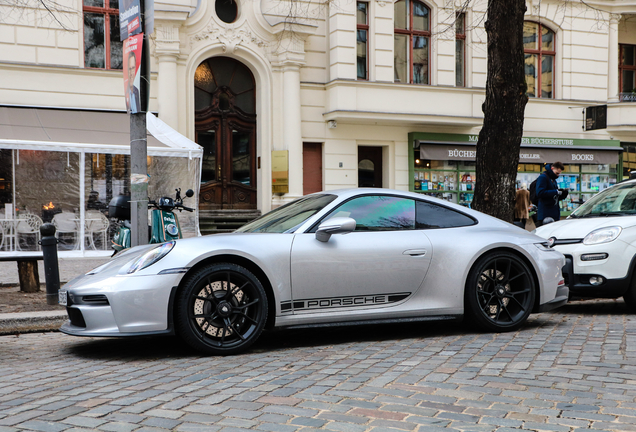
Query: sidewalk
x=37, y=319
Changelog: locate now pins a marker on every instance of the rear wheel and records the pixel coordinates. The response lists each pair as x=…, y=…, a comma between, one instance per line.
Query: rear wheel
x=221, y=309
x=499, y=292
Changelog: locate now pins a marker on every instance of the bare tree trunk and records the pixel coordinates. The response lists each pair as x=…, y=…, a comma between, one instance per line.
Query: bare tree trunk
x=500, y=137
x=28, y=276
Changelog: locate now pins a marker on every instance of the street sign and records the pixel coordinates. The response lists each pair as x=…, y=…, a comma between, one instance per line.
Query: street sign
x=596, y=117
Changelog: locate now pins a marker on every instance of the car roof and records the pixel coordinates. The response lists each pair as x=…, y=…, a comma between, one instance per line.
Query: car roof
x=343, y=194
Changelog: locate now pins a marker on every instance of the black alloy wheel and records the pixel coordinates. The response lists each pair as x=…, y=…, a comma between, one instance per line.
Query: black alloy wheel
x=221, y=309
x=500, y=292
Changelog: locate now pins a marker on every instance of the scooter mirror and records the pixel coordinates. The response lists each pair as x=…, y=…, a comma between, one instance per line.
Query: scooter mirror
x=189, y=193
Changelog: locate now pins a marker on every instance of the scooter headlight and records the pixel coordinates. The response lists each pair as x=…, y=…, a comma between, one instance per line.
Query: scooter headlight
x=148, y=258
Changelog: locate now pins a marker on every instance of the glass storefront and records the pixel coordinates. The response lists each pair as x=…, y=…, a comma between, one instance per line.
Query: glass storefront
x=629, y=159
x=72, y=189
x=446, y=169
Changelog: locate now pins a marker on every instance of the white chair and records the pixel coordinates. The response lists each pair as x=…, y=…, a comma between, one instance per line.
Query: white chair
x=66, y=223
x=8, y=234
x=95, y=223
x=28, y=224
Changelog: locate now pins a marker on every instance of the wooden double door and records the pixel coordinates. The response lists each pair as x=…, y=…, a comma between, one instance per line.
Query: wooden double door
x=225, y=123
x=228, y=177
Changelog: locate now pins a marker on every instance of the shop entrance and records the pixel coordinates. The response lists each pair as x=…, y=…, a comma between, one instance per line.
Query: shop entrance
x=225, y=124
x=369, y=166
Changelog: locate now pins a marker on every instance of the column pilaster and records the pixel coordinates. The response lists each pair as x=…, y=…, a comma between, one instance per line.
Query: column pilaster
x=167, y=52
x=287, y=60
x=612, y=61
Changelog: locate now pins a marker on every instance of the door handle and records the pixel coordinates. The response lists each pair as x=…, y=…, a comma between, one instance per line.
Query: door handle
x=415, y=252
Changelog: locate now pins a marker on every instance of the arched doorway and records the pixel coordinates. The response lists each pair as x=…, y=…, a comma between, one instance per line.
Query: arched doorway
x=225, y=124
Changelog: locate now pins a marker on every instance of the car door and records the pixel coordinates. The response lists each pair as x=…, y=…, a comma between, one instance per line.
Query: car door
x=382, y=262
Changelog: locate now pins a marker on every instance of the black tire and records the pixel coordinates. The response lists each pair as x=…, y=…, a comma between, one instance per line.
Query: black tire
x=216, y=320
x=630, y=295
x=500, y=292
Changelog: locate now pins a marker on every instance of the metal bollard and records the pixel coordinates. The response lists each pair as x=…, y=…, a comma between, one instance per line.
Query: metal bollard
x=51, y=269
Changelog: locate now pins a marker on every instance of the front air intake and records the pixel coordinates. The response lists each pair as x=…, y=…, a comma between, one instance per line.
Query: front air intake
x=95, y=299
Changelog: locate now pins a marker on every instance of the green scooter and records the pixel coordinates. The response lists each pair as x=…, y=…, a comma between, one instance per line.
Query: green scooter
x=164, y=224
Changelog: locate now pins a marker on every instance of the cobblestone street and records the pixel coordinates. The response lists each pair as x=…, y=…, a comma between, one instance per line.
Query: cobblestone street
x=572, y=370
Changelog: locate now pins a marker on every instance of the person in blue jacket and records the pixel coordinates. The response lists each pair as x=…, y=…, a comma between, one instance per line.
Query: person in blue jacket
x=549, y=194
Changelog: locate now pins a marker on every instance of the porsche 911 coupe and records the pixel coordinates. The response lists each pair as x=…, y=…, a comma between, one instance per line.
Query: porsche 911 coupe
x=332, y=258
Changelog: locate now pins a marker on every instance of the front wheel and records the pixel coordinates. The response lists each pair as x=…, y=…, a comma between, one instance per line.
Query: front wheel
x=630, y=295
x=221, y=309
x=499, y=292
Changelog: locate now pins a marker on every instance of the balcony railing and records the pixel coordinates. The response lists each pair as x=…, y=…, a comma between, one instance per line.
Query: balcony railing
x=628, y=97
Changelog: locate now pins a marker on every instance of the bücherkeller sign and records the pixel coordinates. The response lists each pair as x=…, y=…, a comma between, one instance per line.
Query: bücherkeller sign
x=533, y=150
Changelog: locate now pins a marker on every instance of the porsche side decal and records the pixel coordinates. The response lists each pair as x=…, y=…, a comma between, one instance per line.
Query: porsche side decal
x=341, y=302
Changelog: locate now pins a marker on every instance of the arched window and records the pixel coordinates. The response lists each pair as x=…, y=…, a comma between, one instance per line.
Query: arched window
x=539, y=51
x=411, y=42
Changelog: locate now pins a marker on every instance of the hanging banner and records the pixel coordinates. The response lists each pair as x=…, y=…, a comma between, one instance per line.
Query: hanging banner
x=132, y=72
x=129, y=19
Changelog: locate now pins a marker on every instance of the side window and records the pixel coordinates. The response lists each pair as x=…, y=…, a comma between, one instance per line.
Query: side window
x=434, y=216
x=379, y=213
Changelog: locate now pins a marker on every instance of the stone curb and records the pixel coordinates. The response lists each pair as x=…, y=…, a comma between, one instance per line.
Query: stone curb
x=25, y=322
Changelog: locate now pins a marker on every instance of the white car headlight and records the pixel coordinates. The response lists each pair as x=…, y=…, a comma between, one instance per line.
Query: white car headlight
x=602, y=235
x=148, y=258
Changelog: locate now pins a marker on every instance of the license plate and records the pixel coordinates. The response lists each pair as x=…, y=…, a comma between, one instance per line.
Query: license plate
x=62, y=298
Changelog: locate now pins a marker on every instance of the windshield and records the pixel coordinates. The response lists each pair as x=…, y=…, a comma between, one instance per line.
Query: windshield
x=286, y=218
x=615, y=201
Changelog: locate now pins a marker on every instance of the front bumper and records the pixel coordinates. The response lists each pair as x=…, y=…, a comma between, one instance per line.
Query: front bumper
x=120, y=305
x=580, y=285
x=560, y=299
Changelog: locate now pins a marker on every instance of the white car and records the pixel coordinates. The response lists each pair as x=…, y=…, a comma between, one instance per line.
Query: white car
x=599, y=243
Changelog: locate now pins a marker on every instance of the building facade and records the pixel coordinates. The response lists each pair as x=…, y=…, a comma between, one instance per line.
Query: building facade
x=288, y=98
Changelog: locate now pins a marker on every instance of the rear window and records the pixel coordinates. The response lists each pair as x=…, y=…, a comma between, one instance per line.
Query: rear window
x=428, y=215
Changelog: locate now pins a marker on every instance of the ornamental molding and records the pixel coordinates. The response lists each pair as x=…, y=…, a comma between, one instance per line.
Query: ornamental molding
x=230, y=38
x=383, y=3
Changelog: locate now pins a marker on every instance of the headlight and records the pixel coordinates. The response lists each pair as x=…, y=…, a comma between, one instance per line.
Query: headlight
x=148, y=258
x=602, y=235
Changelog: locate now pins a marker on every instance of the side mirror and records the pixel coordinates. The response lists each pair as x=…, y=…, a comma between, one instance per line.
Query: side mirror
x=337, y=225
x=189, y=193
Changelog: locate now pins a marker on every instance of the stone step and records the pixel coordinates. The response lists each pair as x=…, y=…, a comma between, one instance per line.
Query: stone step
x=224, y=221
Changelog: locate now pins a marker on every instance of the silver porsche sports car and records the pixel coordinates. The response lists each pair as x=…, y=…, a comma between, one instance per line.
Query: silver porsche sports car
x=338, y=257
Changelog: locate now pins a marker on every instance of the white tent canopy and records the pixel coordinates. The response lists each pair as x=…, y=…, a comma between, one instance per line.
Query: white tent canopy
x=76, y=142
x=73, y=130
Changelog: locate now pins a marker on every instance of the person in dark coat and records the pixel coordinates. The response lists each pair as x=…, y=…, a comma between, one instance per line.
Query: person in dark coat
x=549, y=194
